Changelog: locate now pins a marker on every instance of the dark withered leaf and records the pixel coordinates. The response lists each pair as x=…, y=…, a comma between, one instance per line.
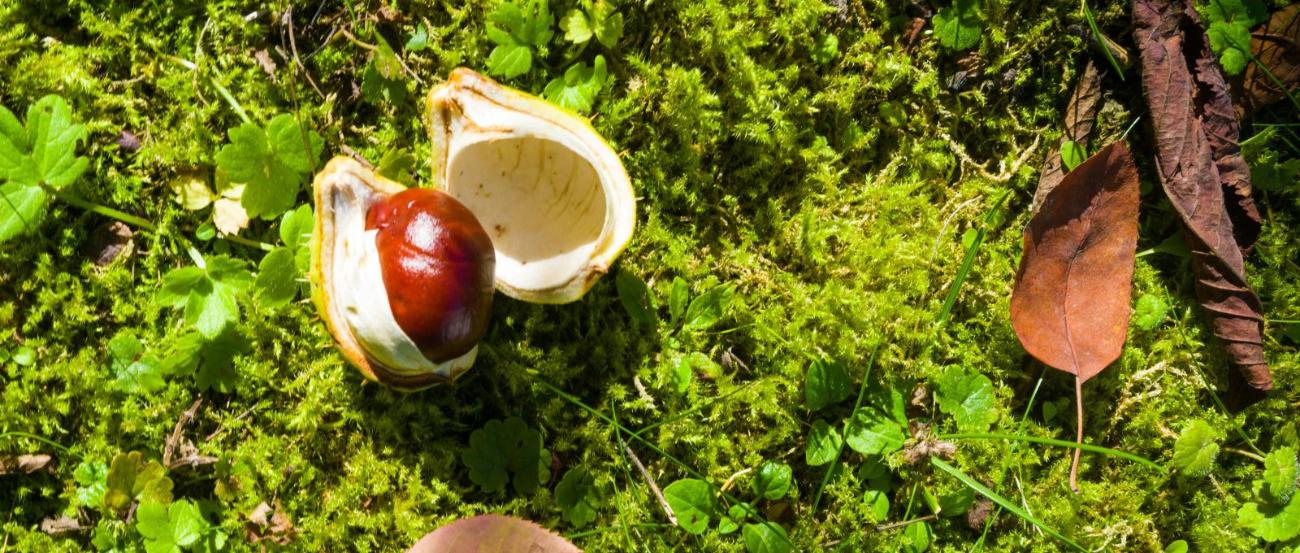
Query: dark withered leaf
x=1276, y=45
x=1070, y=305
x=1206, y=179
x=1080, y=117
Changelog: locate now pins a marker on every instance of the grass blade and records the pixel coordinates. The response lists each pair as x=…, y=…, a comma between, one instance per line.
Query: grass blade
x=969, y=261
x=1096, y=35
x=1055, y=442
x=1002, y=501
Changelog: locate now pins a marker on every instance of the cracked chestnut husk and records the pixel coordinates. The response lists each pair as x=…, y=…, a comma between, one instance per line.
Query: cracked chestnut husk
x=527, y=199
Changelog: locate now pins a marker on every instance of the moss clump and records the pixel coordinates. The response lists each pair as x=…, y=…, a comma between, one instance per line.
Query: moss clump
x=831, y=197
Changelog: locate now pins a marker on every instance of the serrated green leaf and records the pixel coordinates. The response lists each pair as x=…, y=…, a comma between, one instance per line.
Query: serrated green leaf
x=1195, y=449
x=510, y=60
x=576, y=496
x=216, y=371
x=208, y=296
x=131, y=478
x=1280, y=473
x=92, y=480
x=1271, y=521
x=692, y=502
x=187, y=523
x=873, y=433
x=823, y=444
x=773, y=480
x=272, y=164
x=606, y=23
x=21, y=208
x=958, y=26
x=826, y=383
x=574, y=25
x=968, y=398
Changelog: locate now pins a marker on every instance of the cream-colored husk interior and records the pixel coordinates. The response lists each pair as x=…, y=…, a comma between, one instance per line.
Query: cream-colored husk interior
x=358, y=290
x=542, y=204
x=552, y=195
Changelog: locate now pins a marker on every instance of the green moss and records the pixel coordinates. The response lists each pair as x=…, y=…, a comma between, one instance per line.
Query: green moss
x=833, y=198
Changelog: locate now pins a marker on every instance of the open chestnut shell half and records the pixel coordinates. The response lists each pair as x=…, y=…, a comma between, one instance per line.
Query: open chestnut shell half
x=403, y=277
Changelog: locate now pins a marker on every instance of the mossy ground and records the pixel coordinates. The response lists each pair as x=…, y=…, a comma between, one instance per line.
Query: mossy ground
x=832, y=197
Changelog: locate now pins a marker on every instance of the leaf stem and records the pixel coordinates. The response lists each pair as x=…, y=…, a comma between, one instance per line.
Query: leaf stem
x=100, y=209
x=1244, y=453
x=1074, y=465
x=246, y=242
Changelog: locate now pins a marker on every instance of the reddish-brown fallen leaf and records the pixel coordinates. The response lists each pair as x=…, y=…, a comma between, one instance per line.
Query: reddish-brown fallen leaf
x=1070, y=304
x=1276, y=45
x=492, y=534
x=1206, y=179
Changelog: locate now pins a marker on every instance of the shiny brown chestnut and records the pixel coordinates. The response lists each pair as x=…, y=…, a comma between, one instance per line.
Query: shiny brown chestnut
x=438, y=266
x=403, y=278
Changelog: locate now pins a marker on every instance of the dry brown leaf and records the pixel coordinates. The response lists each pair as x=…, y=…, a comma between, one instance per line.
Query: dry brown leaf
x=25, y=464
x=1276, y=45
x=1206, y=179
x=1080, y=117
x=492, y=534
x=1070, y=305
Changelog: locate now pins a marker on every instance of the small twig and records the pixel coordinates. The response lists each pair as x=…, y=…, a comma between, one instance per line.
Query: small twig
x=883, y=527
x=175, y=438
x=293, y=47
x=1244, y=453
x=222, y=428
x=653, y=487
x=1005, y=173
x=732, y=479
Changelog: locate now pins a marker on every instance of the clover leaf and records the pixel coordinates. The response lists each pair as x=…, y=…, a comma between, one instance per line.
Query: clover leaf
x=131, y=478
x=41, y=154
x=505, y=451
x=576, y=495
x=272, y=163
x=578, y=87
x=968, y=397
x=134, y=372
x=166, y=529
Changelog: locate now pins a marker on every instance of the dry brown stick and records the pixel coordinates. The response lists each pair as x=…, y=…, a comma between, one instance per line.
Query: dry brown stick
x=175, y=438
x=293, y=47
x=883, y=527
x=668, y=510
